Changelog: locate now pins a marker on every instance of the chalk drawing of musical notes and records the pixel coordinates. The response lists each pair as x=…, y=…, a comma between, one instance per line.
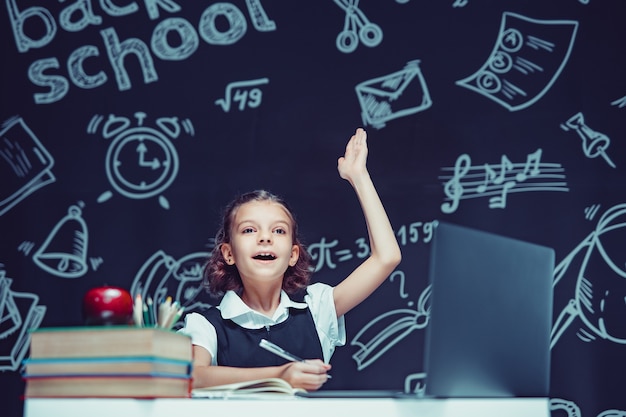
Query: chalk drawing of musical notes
x=244, y=92
x=25, y=165
x=594, y=143
x=496, y=181
x=527, y=59
x=388, y=329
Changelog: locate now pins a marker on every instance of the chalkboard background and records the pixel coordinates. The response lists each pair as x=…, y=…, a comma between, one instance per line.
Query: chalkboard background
x=128, y=126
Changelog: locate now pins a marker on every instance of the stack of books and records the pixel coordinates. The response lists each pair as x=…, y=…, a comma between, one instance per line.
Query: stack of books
x=108, y=361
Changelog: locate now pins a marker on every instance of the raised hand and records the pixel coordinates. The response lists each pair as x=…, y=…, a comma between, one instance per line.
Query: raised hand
x=353, y=163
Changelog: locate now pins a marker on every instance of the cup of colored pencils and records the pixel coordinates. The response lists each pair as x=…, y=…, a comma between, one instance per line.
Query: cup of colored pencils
x=164, y=314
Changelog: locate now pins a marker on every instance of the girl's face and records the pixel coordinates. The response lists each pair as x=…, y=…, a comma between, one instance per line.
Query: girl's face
x=261, y=244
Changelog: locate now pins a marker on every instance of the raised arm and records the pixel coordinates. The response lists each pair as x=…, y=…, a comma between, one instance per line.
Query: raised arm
x=385, y=253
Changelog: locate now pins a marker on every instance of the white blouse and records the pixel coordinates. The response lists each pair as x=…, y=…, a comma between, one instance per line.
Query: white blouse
x=319, y=298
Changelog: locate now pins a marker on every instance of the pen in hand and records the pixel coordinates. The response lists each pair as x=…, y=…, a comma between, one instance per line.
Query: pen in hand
x=277, y=350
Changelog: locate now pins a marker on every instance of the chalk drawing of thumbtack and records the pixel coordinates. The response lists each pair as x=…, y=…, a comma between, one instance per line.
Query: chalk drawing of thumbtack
x=594, y=143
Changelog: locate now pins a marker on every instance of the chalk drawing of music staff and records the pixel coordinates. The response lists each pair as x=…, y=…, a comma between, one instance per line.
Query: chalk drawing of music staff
x=498, y=180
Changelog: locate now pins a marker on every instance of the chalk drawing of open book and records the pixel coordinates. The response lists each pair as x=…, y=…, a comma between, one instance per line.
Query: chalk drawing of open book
x=388, y=329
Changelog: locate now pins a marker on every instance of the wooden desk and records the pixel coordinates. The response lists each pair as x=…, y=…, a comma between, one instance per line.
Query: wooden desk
x=302, y=407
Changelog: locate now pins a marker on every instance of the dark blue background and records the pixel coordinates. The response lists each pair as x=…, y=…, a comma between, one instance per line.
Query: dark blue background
x=289, y=144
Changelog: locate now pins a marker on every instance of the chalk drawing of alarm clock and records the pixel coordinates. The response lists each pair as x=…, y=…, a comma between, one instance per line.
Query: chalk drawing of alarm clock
x=141, y=161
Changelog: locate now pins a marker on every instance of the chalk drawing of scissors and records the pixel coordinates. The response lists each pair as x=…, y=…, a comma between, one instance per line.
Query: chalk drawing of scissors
x=356, y=26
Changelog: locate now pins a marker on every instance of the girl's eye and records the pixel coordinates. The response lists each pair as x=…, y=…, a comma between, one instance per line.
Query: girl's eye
x=248, y=230
x=280, y=231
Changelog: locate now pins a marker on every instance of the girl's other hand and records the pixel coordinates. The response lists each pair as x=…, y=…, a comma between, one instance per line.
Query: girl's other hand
x=310, y=374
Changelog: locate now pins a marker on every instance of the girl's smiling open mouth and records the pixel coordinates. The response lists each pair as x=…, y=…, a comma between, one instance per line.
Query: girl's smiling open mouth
x=264, y=256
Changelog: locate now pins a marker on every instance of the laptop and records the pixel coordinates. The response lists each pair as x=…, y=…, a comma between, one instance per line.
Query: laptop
x=490, y=318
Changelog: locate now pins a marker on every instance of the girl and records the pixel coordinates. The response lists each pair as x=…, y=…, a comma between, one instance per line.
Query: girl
x=258, y=263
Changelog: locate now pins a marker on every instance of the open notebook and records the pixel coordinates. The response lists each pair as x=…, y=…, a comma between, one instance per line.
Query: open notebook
x=490, y=318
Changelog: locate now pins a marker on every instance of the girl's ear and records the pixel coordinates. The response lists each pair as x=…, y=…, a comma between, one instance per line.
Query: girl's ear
x=227, y=253
x=295, y=254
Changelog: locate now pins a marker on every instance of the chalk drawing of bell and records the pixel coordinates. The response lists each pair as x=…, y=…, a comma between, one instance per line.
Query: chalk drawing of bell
x=527, y=59
x=64, y=253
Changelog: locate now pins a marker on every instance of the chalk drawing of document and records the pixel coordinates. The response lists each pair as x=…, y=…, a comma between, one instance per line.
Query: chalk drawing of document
x=394, y=95
x=25, y=165
x=527, y=59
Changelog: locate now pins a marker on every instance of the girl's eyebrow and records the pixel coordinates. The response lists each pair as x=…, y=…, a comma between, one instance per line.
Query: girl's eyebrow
x=283, y=222
x=244, y=223
x=274, y=223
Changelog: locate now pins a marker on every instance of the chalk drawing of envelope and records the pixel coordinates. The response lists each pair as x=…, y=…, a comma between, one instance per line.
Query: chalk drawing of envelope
x=528, y=57
x=394, y=95
x=25, y=165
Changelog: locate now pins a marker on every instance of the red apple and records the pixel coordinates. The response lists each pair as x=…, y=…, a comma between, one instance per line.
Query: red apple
x=107, y=305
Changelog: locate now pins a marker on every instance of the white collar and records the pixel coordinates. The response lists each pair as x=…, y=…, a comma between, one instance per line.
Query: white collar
x=232, y=306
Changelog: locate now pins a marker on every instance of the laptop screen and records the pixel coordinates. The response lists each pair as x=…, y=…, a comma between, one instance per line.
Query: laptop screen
x=490, y=317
